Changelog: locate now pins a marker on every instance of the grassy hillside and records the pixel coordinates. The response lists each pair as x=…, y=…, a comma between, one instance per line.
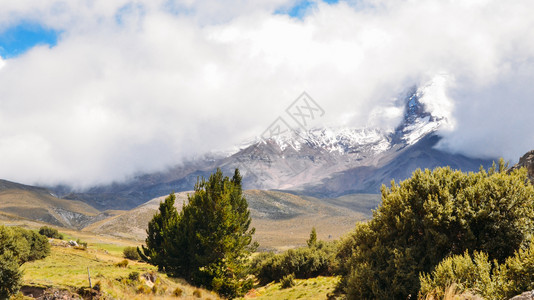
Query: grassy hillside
x=282, y=220
x=66, y=269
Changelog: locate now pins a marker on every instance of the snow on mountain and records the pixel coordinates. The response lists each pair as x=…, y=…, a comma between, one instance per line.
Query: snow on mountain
x=418, y=122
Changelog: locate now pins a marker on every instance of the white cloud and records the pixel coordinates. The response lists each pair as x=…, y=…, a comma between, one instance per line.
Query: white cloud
x=112, y=99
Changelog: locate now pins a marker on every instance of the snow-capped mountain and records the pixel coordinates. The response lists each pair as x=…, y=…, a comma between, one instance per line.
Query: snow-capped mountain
x=320, y=162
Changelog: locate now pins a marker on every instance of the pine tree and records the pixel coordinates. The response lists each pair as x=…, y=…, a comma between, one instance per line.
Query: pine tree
x=209, y=241
x=161, y=226
x=212, y=238
x=313, y=238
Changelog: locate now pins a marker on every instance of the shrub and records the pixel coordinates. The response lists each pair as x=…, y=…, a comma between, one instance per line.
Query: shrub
x=477, y=274
x=10, y=275
x=50, y=232
x=144, y=289
x=177, y=292
x=81, y=244
x=122, y=264
x=134, y=276
x=464, y=273
x=432, y=215
x=131, y=253
x=24, y=245
x=303, y=263
x=197, y=293
x=287, y=281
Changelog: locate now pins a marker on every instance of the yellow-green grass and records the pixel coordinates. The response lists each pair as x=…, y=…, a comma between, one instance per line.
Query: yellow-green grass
x=66, y=267
x=314, y=288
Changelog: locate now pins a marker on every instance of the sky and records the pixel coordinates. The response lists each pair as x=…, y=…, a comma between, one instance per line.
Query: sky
x=97, y=91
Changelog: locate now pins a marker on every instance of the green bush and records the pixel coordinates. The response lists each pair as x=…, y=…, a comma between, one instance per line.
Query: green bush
x=134, y=276
x=17, y=246
x=287, y=281
x=10, y=275
x=477, y=274
x=462, y=271
x=50, y=232
x=430, y=216
x=131, y=253
x=25, y=245
x=122, y=264
x=306, y=262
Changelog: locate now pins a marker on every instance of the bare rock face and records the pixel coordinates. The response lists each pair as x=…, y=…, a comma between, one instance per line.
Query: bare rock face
x=525, y=295
x=527, y=161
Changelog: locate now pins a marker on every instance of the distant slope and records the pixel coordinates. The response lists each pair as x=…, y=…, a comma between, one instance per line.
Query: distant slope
x=39, y=204
x=281, y=219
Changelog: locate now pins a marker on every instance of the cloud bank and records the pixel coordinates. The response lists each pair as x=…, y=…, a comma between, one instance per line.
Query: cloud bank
x=138, y=86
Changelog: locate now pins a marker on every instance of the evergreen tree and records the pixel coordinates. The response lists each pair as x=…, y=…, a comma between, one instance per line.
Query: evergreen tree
x=313, y=238
x=159, y=228
x=209, y=242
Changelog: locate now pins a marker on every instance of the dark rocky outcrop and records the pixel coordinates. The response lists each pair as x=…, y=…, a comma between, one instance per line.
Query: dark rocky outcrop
x=527, y=161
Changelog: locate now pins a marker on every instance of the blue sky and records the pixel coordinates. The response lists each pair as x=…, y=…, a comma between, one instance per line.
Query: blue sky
x=18, y=39
x=302, y=7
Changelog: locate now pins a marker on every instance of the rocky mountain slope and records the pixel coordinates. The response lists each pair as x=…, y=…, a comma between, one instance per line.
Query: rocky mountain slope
x=322, y=162
x=19, y=201
x=527, y=161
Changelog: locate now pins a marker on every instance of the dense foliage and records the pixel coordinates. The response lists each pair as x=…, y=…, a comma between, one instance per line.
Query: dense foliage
x=10, y=275
x=50, y=232
x=430, y=216
x=476, y=273
x=317, y=259
x=17, y=246
x=209, y=241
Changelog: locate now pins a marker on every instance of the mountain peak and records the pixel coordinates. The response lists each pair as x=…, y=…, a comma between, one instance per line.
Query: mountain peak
x=424, y=113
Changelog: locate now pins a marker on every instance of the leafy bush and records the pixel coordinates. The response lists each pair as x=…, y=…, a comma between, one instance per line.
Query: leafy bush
x=134, y=276
x=10, y=275
x=306, y=262
x=17, y=246
x=432, y=215
x=50, y=232
x=25, y=245
x=287, y=281
x=122, y=264
x=477, y=274
x=463, y=272
x=131, y=253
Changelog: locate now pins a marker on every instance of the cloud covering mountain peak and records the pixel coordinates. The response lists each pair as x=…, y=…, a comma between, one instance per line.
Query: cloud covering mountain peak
x=136, y=87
